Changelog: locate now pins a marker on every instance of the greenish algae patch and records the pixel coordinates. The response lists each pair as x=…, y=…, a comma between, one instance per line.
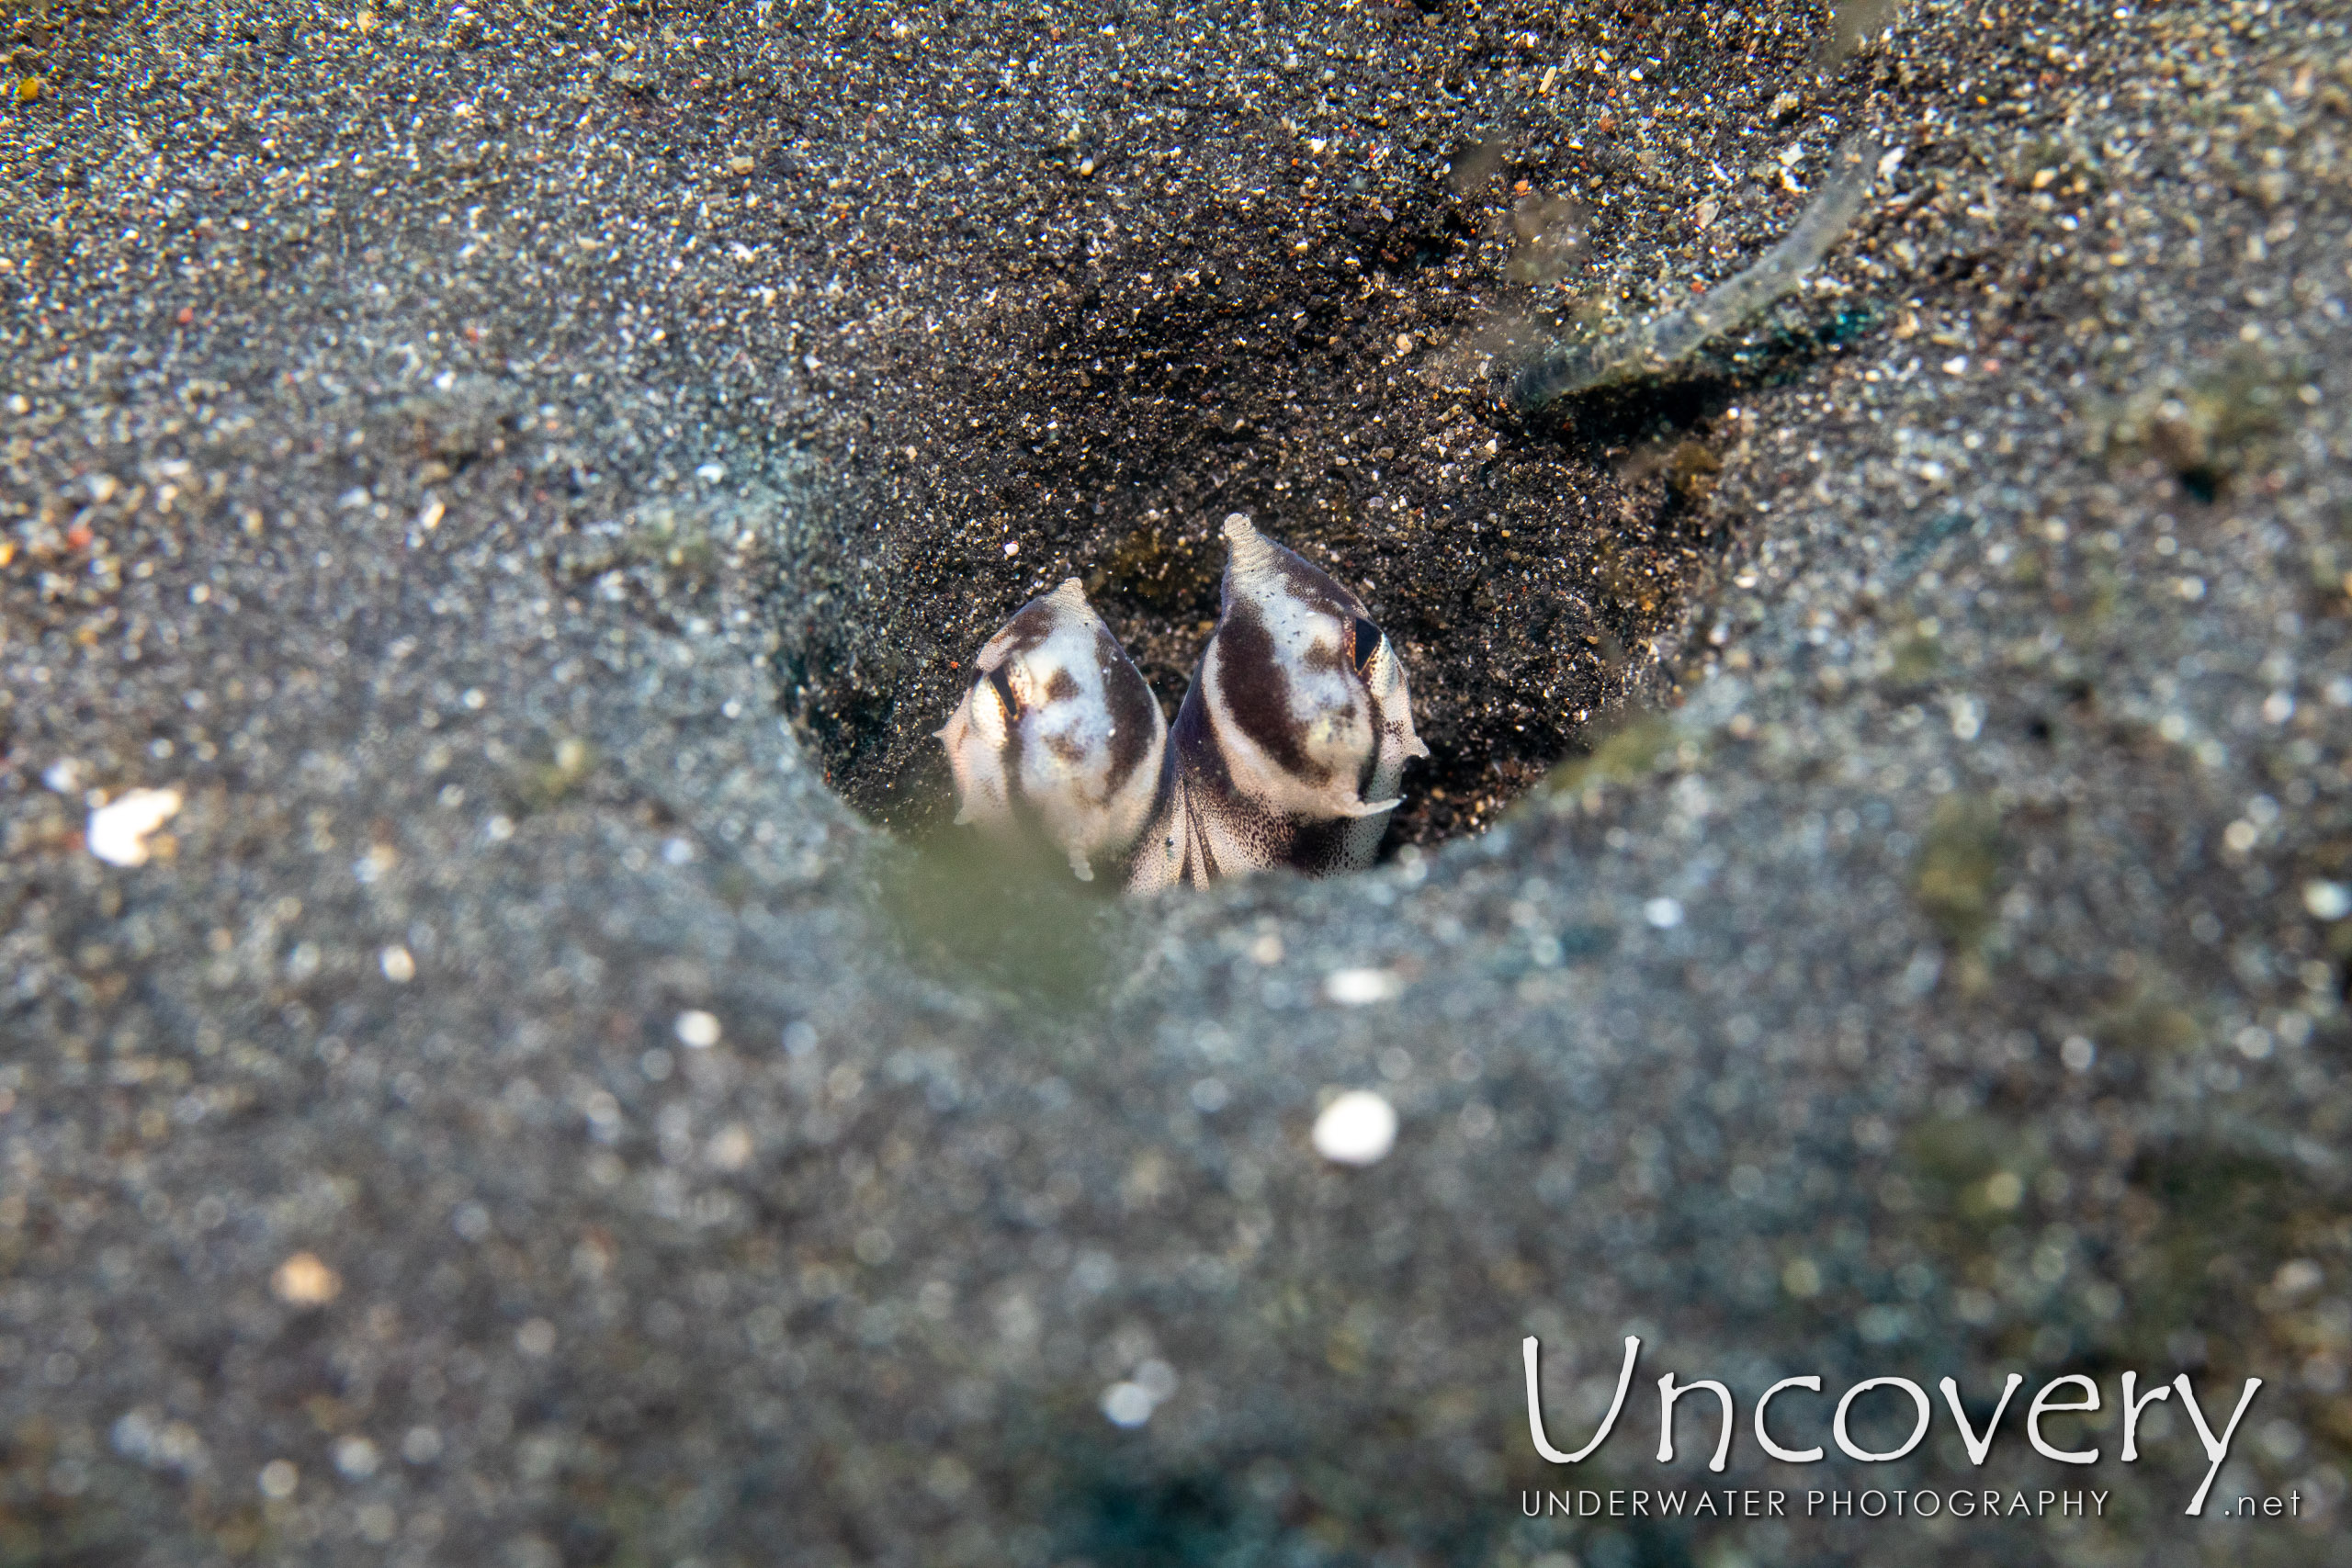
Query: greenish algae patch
x=1956, y=878
x=970, y=912
x=1626, y=754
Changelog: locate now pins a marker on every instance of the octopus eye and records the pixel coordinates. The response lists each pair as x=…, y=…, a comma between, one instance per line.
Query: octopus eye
x=1367, y=642
x=1004, y=685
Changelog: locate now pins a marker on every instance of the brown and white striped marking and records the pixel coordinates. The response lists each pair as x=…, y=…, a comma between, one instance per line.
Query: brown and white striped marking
x=1059, y=739
x=1291, y=743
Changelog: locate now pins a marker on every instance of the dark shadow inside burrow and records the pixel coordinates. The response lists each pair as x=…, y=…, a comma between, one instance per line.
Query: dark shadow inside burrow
x=1526, y=566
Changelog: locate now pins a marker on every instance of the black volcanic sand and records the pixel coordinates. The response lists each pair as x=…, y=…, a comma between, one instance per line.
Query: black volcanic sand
x=1206, y=307
x=521, y=478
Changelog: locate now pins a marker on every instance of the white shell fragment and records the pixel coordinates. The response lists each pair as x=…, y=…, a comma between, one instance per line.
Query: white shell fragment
x=1127, y=1404
x=1291, y=743
x=118, y=831
x=1130, y=1402
x=1357, y=1128
x=1058, y=739
x=1362, y=987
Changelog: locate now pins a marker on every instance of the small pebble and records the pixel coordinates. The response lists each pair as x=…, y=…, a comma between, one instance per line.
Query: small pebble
x=1357, y=1128
x=1127, y=1404
x=303, y=1281
x=118, y=831
x=1359, y=987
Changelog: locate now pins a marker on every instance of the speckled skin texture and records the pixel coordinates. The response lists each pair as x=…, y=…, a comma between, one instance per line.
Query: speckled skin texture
x=422, y=453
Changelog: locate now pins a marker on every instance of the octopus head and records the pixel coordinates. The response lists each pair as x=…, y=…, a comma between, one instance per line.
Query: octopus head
x=1058, y=739
x=1305, y=694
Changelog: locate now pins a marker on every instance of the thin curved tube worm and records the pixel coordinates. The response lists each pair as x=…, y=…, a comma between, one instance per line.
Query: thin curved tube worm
x=1658, y=342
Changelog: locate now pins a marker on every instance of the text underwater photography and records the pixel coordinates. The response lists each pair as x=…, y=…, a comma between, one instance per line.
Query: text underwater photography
x=2073, y=1394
